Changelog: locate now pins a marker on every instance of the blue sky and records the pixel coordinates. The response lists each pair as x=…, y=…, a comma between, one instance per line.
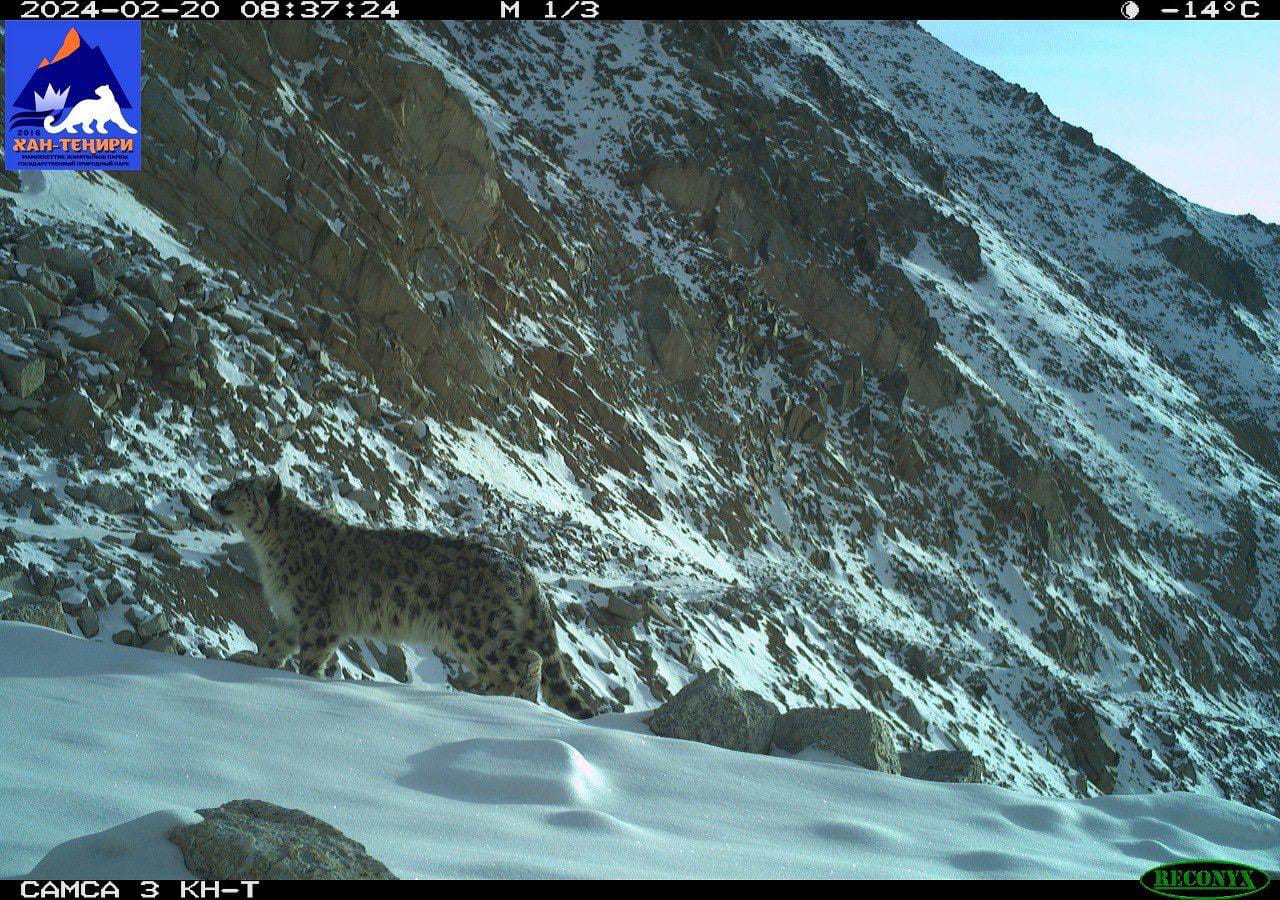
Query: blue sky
x=1196, y=105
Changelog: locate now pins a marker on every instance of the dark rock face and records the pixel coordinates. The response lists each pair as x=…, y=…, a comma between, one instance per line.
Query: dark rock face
x=664, y=317
x=850, y=381
x=380, y=265
x=866, y=247
x=895, y=386
x=713, y=710
x=1231, y=280
x=957, y=243
x=253, y=839
x=1088, y=746
x=1236, y=588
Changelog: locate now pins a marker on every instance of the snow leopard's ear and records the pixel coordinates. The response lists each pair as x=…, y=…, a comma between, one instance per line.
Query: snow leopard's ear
x=274, y=490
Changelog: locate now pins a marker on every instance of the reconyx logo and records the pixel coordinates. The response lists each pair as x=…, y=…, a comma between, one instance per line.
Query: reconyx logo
x=1196, y=878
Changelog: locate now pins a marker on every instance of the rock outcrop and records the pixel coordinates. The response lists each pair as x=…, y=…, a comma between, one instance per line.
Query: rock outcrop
x=958, y=766
x=254, y=839
x=858, y=735
x=713, y=710
x=34, y=611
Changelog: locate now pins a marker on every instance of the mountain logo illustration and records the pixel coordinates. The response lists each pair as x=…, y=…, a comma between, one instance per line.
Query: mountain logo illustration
x=75, y=74
x=72, y=95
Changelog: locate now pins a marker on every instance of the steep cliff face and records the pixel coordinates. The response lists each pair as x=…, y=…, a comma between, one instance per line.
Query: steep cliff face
x=811, y=351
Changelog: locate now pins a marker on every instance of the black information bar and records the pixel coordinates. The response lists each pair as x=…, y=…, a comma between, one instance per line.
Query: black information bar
x=587, y=10
x=388, y=890
x=45, y=889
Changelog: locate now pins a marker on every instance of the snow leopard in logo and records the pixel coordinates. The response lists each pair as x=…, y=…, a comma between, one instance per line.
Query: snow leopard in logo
x=92, y=112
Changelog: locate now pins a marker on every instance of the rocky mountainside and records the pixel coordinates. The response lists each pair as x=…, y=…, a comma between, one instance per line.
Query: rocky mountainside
x=812, y=352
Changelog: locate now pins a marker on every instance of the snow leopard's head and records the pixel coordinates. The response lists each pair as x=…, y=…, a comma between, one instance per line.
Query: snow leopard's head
x=248, y=502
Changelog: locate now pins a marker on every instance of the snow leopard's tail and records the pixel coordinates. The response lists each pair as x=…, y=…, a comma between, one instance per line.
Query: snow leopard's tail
x=561, y=683
x=557, y=685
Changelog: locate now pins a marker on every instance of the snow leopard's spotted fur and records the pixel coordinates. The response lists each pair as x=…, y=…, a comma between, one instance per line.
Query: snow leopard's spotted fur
x=327, y=580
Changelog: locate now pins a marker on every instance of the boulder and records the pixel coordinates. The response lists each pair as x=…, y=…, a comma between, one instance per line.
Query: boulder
x=43, y=306
x=957, y=766
x=895, y=385
x=74, y=412
x=72, y=262
x=801, y=423
x=91, y=283
x=35, y=611
x=155, y=288
x=87, y=619
x=365, y=404
x=167, y=553
x=253, y=839
x=364, y=498
x=95, y=286
x=23, y=376
x=111, y=498
x=623, y=608
x=850, y=379
x=55, y=289
x=132, y=319
x=164, y=643
x=711, y=709
x=663, y=318
x=15, y=302
x=153, y=627
x=119, y=333
x=857, y=735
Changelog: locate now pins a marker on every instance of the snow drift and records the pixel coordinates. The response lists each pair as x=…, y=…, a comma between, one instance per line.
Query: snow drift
x=109, y=747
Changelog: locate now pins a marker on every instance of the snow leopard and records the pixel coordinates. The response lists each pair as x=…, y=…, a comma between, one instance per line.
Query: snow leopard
x=327, y=580
x=92, y=115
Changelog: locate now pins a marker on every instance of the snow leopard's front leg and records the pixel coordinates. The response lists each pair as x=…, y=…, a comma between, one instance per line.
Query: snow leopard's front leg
x=282, y=644
x=318, y=640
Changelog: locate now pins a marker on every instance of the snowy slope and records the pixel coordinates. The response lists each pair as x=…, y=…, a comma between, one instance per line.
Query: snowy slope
x=115, y=746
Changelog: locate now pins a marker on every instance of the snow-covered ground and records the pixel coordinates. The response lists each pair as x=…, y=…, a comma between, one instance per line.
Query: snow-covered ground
x=108, y=747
